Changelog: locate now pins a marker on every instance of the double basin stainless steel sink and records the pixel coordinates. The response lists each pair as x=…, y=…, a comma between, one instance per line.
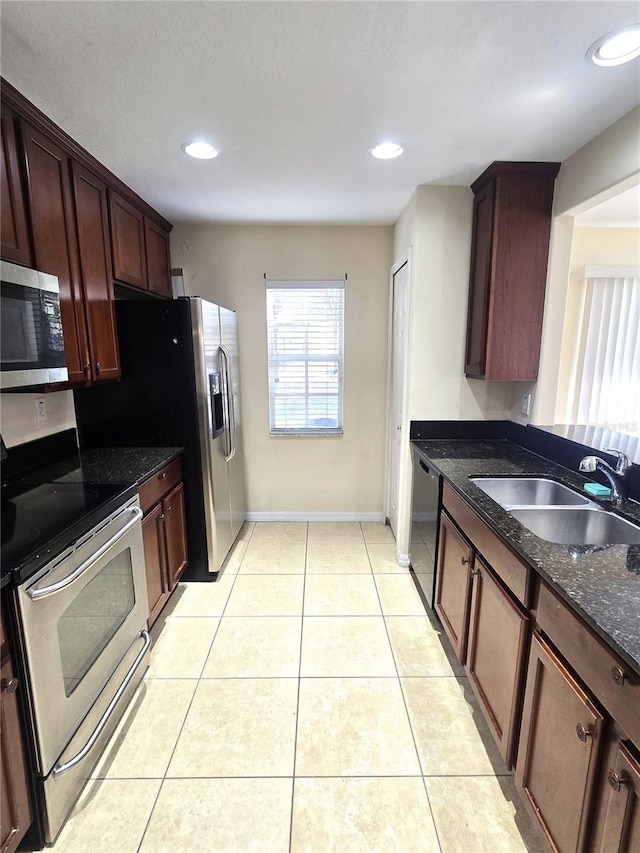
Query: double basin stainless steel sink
x=557, y=513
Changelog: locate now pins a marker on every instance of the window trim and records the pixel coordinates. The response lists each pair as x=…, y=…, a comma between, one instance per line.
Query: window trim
x=311, y=432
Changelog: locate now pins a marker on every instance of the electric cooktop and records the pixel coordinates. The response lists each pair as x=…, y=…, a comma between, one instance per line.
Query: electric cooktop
x=39, y=520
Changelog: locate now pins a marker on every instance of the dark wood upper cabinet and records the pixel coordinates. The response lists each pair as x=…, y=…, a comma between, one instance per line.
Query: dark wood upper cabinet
x=509, y=253
x=55, y=241
x=559, y=750
x=127, y=242
x=14, y=231
x=90, y=195
x=158, y=263
x=140, y=248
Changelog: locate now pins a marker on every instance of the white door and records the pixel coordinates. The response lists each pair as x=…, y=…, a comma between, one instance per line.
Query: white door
x=397, y=394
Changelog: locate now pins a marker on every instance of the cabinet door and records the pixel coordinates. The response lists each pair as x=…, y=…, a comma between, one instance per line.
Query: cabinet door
x=495, y=659
x=175, y=533
x=127, y=242
x=15, y=808
x=480, y=276
x=55, y=241
x=158, y=263
x=453, y=584
x=622, y=821
x=13, y=222
x=559, y=749
x=90, y=195
x=155, y=560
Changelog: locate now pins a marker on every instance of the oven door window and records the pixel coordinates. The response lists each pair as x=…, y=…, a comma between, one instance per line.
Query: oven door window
x=94, y=616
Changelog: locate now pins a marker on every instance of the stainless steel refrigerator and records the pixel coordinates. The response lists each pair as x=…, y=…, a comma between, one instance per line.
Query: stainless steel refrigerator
x=179, y=387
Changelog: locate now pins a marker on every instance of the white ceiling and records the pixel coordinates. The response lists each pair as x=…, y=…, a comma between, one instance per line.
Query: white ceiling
x=621, y=211
x=294, y=94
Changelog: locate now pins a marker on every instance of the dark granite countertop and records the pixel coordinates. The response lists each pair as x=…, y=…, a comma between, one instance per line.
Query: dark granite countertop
x=123, y=468
x=602, y=586
x=130, y=466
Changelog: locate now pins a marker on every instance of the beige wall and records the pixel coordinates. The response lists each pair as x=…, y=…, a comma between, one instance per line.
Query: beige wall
x=18, y=416
x=607, y=165
x=226, y=264
x=604, y=246
x=436, y=226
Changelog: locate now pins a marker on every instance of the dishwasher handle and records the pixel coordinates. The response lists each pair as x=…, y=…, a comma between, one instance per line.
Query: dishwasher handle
x=36, y=593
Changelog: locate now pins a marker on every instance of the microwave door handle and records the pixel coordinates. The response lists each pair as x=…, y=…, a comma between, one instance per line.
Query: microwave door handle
x=35, y=593
x=59, y=769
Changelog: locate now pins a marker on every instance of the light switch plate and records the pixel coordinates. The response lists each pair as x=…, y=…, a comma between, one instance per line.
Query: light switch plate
x=525, y=407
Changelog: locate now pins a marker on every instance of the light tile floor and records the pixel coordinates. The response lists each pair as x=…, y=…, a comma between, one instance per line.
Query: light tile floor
x=304, y=702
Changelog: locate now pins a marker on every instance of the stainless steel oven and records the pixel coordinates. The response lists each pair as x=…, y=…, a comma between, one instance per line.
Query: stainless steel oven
x=82, y=620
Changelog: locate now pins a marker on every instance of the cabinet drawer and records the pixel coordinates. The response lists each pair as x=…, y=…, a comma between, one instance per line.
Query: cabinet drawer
x=511, y=571
x=157, y=486
x=611, y=680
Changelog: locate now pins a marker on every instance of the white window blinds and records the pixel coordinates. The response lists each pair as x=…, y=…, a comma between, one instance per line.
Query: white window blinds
x=607, y=379
x=305, y=331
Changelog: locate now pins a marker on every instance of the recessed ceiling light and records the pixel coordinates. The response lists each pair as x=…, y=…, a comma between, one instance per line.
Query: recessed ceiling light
x=617, y=47
x=386, y=150
x=199, y=149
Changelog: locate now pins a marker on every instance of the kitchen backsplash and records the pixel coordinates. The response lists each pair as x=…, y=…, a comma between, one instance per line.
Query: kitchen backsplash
x=19, y=413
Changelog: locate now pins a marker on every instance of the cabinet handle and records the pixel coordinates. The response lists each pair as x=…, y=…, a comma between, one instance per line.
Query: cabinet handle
x=618, y=675
x=465, y=560
x=616, y=780
x=161, y=516
x=86, y=368
x=10, y=686
x=583, y=733
x=168, y=508
x=163, y=476
x=98, y=368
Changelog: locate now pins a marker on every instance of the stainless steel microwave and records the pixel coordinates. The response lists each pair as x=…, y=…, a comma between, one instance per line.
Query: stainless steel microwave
x=31, y=340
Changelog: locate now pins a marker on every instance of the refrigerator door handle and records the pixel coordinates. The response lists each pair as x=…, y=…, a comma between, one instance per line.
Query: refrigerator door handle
x=231, y=415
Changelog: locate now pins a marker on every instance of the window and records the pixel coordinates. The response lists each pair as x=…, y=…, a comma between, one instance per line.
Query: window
x=305, y=330
x=606, y=377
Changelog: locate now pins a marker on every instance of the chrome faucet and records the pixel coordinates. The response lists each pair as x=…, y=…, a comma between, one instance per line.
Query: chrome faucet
x=595, y=463
x=622, y=462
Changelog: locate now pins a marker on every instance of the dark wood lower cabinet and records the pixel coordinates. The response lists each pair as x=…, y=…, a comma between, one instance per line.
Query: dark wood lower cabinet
x=559, y=750
x=175, y=535
x=153, y=537
x=622, y=818
x=15, y=817
x=498, y=635
x=164, y=535
x=453, y=584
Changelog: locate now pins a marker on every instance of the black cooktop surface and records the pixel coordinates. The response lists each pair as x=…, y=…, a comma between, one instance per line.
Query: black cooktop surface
x=41, y=519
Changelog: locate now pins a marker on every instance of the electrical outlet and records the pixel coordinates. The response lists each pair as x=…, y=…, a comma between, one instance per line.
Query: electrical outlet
x=525, y=406
x=41, y=410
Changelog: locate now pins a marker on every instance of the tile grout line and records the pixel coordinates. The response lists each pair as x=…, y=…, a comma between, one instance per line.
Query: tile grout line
x=413, y=736
x=295, y=735
x=175, y=746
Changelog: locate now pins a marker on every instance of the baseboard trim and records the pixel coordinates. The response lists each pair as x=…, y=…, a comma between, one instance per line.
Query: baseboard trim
x=314, y=516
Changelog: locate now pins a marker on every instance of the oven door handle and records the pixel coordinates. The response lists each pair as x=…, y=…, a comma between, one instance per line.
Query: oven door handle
x=59, y=769
x=35, y=593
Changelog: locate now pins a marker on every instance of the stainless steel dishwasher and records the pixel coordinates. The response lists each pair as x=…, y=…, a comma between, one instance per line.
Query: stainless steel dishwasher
x=424, y=527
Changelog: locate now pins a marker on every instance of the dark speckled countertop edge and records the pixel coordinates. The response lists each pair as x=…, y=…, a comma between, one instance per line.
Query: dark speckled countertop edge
x=125, y=466
x=602, y=587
